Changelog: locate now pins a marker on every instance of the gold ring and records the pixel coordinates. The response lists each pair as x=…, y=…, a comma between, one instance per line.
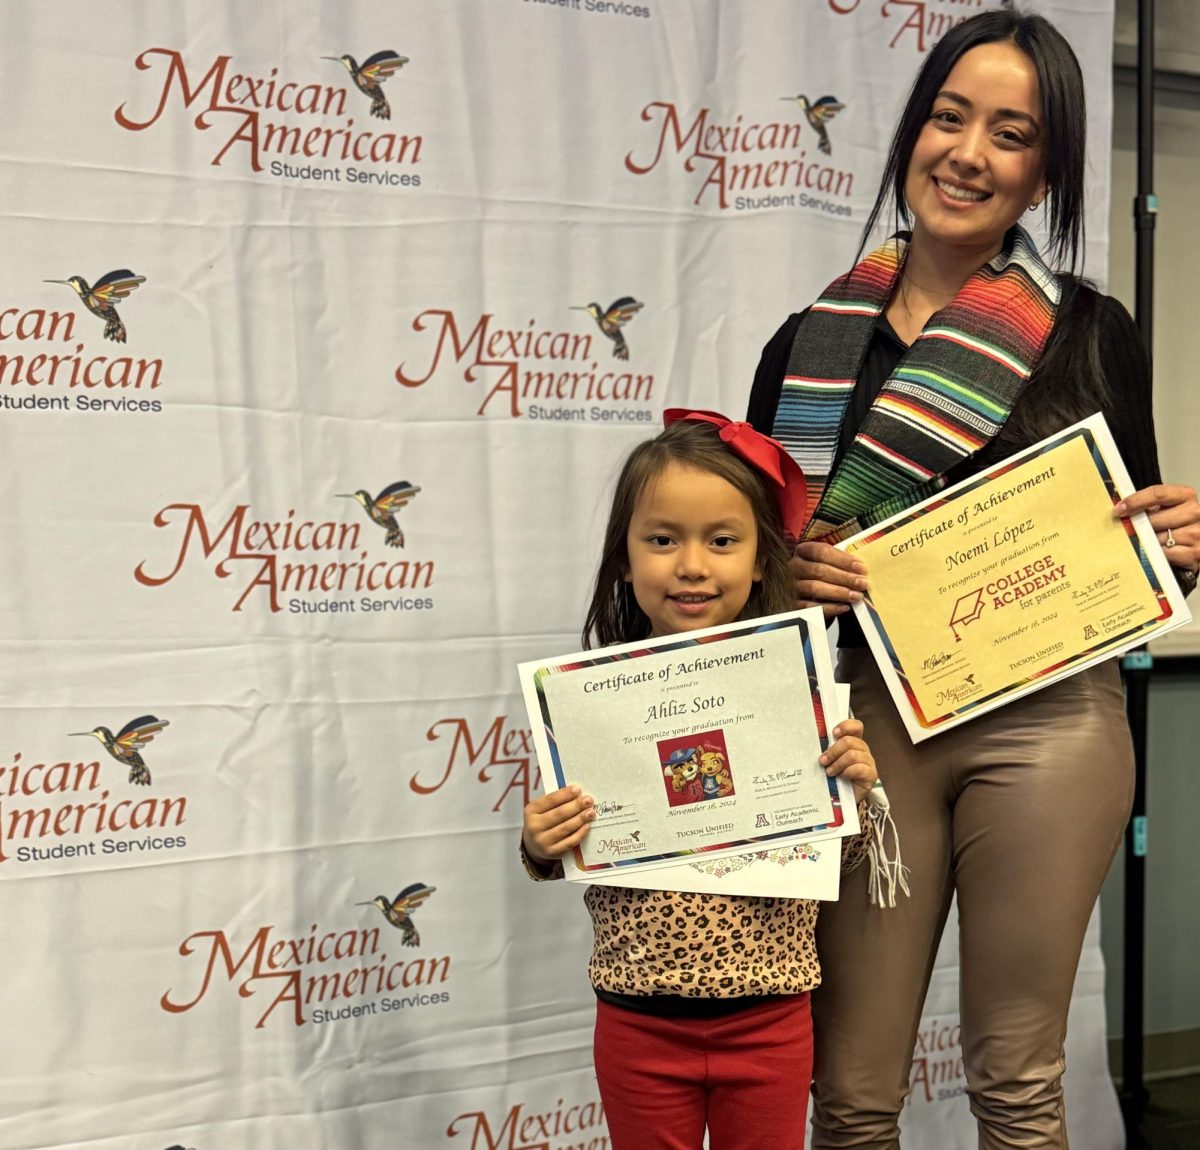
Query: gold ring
x=1170, y=542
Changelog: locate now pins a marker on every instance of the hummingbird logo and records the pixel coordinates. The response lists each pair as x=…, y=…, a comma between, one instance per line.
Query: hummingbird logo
x=610, y=322
x=126, y=745
x=100, y=297
x=382, y=510
x=398, y=910
x=370, y=74
x=819, y=114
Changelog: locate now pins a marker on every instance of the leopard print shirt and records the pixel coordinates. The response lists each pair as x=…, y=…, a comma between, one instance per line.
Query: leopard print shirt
x=700, y=945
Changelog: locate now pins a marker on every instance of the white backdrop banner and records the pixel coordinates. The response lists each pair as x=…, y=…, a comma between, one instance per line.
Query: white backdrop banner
x=310, y=425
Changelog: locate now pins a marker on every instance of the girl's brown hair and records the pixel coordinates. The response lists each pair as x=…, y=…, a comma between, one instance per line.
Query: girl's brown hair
x=614, y=615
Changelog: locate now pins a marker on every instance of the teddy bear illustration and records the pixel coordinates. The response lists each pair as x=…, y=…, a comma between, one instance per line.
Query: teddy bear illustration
x=715, y=779
x=683, y=769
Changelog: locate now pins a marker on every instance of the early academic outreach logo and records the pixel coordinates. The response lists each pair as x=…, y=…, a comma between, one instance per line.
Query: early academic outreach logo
x=398, y=911
x=913, y=24
x=557, y=373
x=84, y=809
x=498, y=755
x=570, y=1124
x=295, y=127
x=302, y=566
x=325, y=975
x=751, y=160
x=56, y=359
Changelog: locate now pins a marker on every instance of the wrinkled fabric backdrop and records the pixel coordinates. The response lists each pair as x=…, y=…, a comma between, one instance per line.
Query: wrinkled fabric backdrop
x=316, y=301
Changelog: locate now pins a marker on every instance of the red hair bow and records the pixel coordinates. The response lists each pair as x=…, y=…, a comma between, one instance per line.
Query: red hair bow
x=765, y=455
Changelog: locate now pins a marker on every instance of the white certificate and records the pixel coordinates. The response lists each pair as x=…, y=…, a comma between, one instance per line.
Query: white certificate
x=702, y=743
x=811, y=869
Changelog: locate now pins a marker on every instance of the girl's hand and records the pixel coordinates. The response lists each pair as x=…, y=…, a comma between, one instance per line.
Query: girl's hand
x=1175, y=516
x=850, y=757
x=555, y=823
x=827, y=578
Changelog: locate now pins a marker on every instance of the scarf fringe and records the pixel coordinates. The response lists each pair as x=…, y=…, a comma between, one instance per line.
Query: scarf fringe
x=887, y=872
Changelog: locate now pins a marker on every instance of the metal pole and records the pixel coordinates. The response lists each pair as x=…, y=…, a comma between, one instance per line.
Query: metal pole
x=1138, y=664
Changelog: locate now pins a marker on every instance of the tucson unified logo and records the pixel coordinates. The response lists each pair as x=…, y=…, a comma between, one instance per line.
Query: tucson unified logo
x=56, y=359
x=301, y=566
x=295, y=127
x=560, y=372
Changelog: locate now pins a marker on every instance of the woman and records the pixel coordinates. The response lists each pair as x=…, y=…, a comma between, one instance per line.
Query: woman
x=1021, y=810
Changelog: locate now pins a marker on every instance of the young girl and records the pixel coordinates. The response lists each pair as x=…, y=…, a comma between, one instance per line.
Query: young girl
x=702, y=1016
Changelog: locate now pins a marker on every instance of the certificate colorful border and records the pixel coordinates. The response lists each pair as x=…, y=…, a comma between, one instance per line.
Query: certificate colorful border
x=683, y=642
x=1121, y=641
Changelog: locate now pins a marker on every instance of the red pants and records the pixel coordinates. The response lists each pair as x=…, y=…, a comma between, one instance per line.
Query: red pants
x=745, y=1076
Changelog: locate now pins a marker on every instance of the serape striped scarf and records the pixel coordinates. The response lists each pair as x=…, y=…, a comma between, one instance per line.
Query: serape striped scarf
x=948, y=396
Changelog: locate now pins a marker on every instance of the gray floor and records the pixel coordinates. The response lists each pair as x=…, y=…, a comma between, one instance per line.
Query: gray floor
x=1171, y=1120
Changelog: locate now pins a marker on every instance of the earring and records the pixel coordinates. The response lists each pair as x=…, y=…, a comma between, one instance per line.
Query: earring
x=1035, y=205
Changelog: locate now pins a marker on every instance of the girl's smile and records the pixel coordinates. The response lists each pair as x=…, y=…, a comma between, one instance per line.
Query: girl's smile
x=692, y=545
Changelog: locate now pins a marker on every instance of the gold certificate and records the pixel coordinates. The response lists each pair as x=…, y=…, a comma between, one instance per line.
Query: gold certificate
x=1011, y=580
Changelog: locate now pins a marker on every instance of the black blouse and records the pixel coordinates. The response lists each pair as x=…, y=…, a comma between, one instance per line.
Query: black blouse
x=1126, y=368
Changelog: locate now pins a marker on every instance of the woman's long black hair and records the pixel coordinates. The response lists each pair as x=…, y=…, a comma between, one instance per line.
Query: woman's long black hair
x=1068, y=382
x=1064, y=121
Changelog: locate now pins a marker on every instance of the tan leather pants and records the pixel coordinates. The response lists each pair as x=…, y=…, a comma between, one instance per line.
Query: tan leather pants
x=1020, y=812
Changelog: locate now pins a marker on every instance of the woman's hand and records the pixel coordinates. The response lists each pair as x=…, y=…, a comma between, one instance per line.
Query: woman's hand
x=1175, y=516
x=556, y=823
x=850, y=757
x=827, y=578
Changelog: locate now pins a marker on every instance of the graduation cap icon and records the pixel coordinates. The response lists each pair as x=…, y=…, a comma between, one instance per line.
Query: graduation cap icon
x=967, y=609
